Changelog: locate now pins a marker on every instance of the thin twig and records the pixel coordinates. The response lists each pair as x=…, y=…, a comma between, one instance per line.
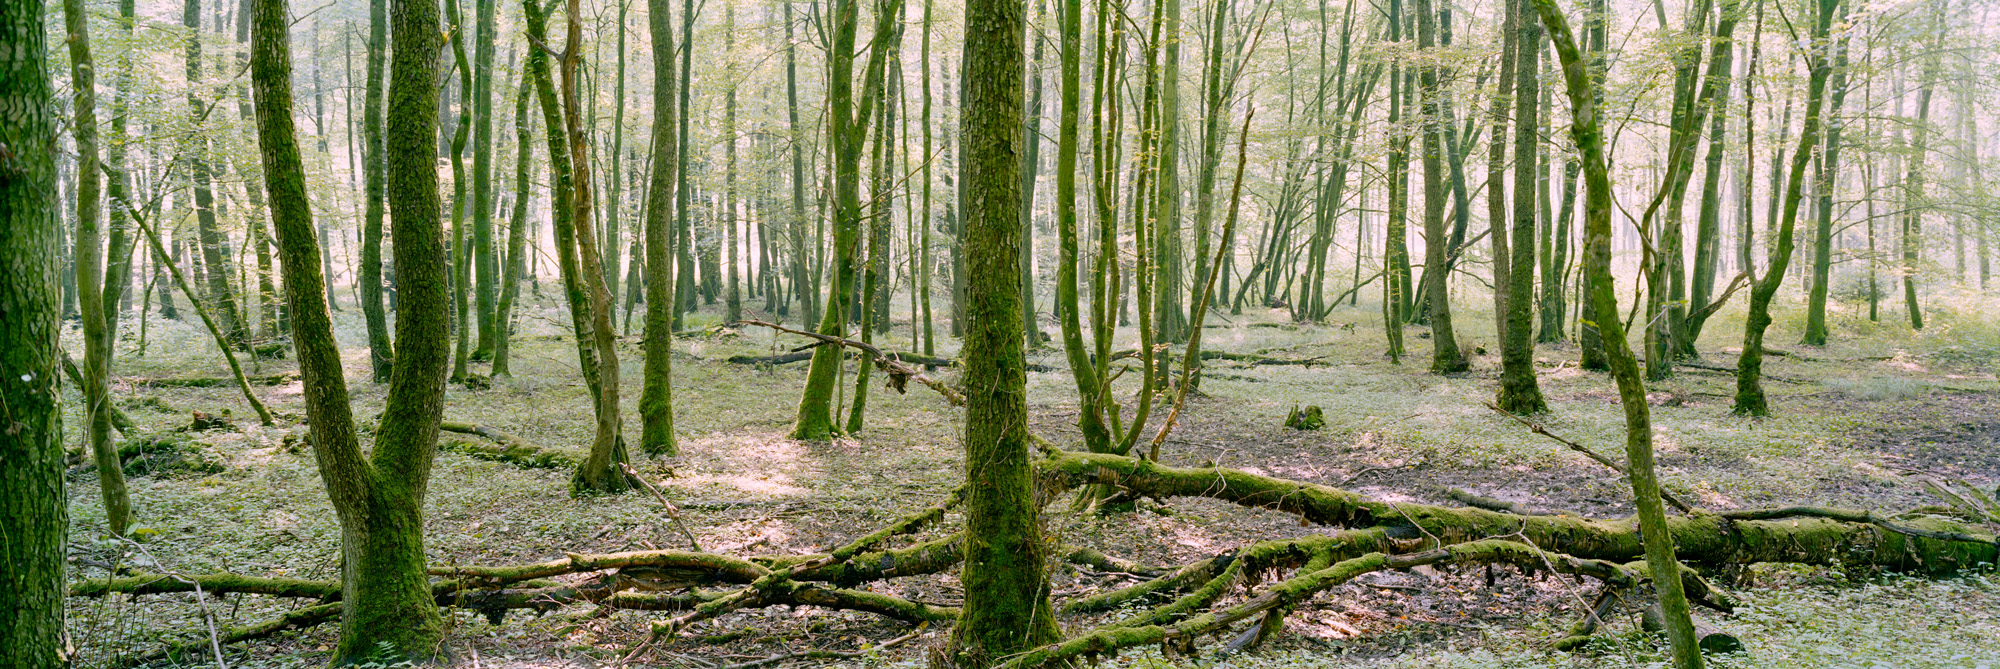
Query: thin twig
x=673, y=512
x=1614, y=465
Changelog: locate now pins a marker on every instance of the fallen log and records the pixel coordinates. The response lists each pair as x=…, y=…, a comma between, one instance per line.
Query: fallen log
x=1818, y=536
x=505, y=447
x=213, y=584
x=212, y=381
x=1154, y=629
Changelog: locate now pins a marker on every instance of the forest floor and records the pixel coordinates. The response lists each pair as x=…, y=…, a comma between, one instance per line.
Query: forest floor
x=1854, y=421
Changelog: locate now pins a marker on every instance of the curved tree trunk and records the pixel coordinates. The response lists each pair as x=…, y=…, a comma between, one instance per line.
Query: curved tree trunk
x=1657, y=539
x=98, y=324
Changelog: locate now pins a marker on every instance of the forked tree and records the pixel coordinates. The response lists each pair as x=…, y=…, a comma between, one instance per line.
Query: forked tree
x=387, y=609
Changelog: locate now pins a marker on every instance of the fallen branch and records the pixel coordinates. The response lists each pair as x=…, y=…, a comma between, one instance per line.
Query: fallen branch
x=1110, y=639
x=1702, y=538
x=673, y=512
x=830, y=654
x=899, y=373
x=1608, y=462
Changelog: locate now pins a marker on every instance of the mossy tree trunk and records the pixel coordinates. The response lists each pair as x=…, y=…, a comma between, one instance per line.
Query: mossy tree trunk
x=484, y=262
x=1750, y=398
x=90, y=275
x=1825, y=175
x=517, y=228
x=1658, y=541
x=656, y=399
x=1519, y=391
x=388, y=612
x=1445, y=356
x=381, y=348
x=1006, y=608
x=32, y=498
x=603, y=471
x=850, y=112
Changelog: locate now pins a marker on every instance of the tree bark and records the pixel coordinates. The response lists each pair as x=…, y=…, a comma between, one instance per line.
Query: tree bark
x=32, y=496
x=1445, y=356
x=1656, y=537
x=603, y=471
x=1749, y=367
x=656, y=399
x=1519, y=392
x=368, y=277
x=100, y=316
x=1006, y=606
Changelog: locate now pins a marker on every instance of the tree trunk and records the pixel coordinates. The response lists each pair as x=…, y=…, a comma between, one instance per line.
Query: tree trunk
x=850, y=115
x=1585, y=128
x=1445, y=356
x=368, y=277
x=1396, y=250
x=603, y=471
x=1826, y=170
x=32, y=496
x=1006, y=606
x=98, y=325
x=656, y=399
x=484, y=261
x=1519, y=392
x=1749, y=368
x=387, y=607
x=517, y=229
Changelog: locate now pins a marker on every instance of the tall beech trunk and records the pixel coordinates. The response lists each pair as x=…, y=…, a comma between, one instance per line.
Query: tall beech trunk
x=211, y=237
x=1396, y=249
x=461, y=252
x=32, y=495
x=732, y=248
x=387, y=610
x=802, y=259
x=656, y=399
x=1658, y=540
x=1006, y=608
x=1913, y=181
x=485, y=264
x=603, y=471
x=563, y=191
x=1090, y=413
x=1519, y=392
x=1826, y=172
x=1749, y=367
x=368, y=277
x=684, y=284
x=517, y=229
x=100, y=318
x=1445, y=356
x=850, y=112
x=1708, y=226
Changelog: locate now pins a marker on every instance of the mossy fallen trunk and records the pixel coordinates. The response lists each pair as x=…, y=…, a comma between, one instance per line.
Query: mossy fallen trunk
x=1804, y=536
